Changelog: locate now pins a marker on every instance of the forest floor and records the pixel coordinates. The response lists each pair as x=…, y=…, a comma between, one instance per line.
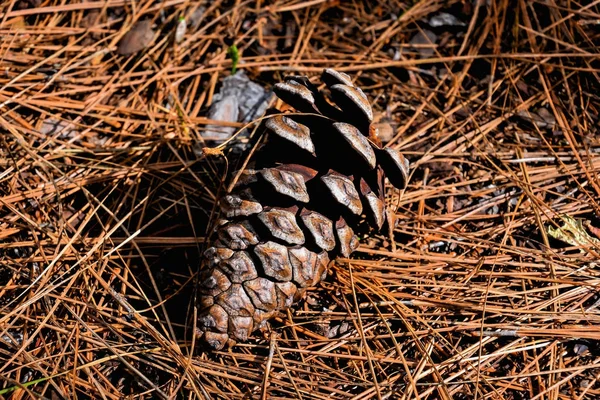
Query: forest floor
x=488, y=288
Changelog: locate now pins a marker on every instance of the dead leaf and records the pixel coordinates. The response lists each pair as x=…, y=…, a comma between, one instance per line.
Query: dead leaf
x=547, y=117
x=384, y=130
x=445, y=19
x=58, y=128
x=573, y=232
x=424, y=42
x=138, y=38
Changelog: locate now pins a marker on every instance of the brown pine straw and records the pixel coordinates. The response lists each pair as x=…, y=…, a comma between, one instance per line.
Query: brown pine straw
x=102, y=225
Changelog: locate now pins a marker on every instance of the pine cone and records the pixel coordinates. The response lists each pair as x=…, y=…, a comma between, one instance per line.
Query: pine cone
x=319, y=172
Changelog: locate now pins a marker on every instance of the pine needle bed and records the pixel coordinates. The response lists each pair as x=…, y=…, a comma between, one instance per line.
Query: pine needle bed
x=105, y=200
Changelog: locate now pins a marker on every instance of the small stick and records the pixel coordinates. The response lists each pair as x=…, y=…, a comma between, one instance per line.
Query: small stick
x=268, y=366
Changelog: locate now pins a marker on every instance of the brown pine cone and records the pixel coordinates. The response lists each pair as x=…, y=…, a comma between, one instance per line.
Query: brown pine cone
x=318, y=176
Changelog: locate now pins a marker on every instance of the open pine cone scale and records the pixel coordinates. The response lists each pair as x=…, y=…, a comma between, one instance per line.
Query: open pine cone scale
x=319, y=174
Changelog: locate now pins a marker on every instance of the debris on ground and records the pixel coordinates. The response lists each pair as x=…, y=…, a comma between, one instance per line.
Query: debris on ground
x=138, y=38
x=239, y=100
x=424, y=43
x=444, y=19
